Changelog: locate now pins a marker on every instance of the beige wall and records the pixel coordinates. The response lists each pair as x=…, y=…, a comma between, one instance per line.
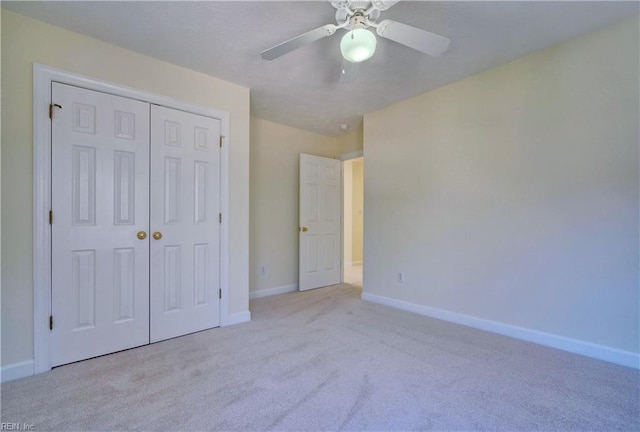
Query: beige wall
x=347, y=212
x=352, y=179
x=275, y=151
x=350, y=142
x=25, y=41
x=357, y=210
x=513, y=196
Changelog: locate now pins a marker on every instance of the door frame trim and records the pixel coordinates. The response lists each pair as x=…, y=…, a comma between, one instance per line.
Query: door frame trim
x=43, y=76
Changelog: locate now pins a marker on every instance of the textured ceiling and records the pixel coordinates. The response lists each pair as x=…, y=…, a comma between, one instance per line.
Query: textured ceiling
x=305, y=88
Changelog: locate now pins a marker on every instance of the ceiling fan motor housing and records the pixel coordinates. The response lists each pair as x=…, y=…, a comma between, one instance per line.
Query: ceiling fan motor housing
x=353, y=13
x=358, y=5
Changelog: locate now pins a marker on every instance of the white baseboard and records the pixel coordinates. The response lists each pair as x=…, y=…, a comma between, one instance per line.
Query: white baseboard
x=15, y=371
x=272, y=291
x=600, y=352
x=236, y=318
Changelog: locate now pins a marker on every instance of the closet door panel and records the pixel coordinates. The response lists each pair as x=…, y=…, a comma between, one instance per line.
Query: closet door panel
x=185, y=204
x=100, y=204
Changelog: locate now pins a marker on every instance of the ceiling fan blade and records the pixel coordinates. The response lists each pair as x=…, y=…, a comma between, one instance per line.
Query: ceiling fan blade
x=298, y=41
x=418, y=39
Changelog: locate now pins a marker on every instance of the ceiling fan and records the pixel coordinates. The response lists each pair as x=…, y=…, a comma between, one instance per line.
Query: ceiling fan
x=359, y=43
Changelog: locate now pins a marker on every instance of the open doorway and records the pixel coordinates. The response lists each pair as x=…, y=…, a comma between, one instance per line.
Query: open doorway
x=353, y=205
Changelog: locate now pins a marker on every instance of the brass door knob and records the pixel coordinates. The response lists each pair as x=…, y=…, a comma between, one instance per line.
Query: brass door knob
x=157, y=235
x=304, y=229
x=141, y=235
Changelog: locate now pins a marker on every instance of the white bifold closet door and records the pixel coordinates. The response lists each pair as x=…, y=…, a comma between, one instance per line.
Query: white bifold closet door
x=100, y=202
x=185, y=207
x=135, y=232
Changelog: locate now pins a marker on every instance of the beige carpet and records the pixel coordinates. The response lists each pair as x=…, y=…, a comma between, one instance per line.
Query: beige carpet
x=324, y=360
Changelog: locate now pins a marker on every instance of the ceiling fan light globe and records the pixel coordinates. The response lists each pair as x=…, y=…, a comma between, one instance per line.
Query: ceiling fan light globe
x=358, y=45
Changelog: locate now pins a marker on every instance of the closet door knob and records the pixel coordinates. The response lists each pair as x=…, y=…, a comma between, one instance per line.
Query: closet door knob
x=141, y=235
x=157, y=235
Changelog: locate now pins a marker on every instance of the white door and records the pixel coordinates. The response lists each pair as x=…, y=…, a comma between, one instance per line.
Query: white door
x=100, y=203
x=185, y=206
x=319, y=230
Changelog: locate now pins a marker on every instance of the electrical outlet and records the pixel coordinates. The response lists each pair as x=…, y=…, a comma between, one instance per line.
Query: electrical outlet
x=400, y=277
x=263, y=270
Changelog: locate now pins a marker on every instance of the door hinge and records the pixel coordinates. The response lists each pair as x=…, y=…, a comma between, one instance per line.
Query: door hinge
x=221, y=139
x=220, y=217
x=50, y=322
x=50, y=217
x=51, y=107
x=220, y=293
